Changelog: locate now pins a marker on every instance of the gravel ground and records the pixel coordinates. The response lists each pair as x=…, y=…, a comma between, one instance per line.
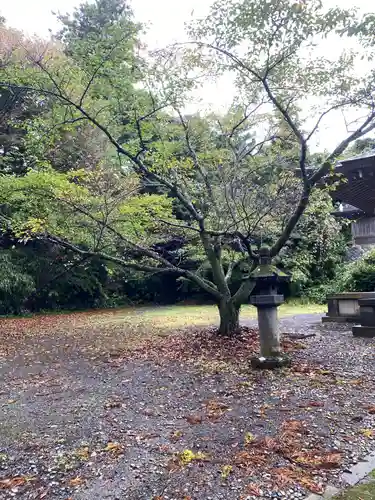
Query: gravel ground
x=183, y=417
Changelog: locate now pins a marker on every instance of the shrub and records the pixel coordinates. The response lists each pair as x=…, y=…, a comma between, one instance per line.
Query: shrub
x=15, y=286
x=358, y=276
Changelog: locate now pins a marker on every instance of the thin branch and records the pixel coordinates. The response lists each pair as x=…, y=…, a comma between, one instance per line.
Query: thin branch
x=367, y=126
x=325, y=113
x=179, y=226
x=244, y=119
x=196, y=162
x=117, y=260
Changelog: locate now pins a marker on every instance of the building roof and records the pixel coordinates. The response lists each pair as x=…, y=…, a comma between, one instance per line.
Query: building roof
x=358, y=182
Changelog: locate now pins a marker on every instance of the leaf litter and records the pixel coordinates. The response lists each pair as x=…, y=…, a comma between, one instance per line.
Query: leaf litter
x=178, y=416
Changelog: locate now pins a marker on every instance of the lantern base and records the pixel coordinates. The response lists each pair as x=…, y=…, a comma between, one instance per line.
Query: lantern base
x=270, y=363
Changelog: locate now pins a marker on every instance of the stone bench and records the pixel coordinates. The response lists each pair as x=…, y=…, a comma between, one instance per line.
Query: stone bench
x=344, y=307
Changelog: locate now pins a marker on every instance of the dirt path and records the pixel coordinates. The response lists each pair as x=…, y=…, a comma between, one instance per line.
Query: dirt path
x=78, y=426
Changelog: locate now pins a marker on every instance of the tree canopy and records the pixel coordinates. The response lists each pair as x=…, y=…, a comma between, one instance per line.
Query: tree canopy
x=120, y=168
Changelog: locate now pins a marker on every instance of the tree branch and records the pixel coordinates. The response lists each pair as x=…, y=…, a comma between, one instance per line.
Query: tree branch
x=206, y=285
x=243, y=292
x=365, y=128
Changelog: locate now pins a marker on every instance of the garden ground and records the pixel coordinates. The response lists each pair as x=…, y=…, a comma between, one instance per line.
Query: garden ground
x=149, y=404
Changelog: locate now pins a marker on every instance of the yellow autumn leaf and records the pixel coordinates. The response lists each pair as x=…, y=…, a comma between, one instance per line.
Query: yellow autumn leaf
x=370, y=433
x=187, y=456
x=115, y=447
x=249, y=438
x=83, y=453
x=225, y=471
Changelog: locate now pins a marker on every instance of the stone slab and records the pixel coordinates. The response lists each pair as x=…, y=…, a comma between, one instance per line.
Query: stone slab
x=367, y=301
x=364, y=331
x=259, y=363
x=330, y=492
x=340, y=319
x=348, y=307
x=359, y=471
x=351, y=295
x=266, y=300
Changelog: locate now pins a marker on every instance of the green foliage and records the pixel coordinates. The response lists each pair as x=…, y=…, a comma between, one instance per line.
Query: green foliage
x=16, y=285
x=358, y=276
x=316, y=250
x=361, y=146
x=74, y=204
x=269, y=37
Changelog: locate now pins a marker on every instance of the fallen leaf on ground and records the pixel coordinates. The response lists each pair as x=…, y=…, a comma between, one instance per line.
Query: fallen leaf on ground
x=297, y=426
x=113, y=447
x=77, y=481
x=215, y=409
x=82, y=453
x=250, y=459
x=268, y=443
x=315, y=404
x=187, y=456
x=253, y=489
x=285, y=476
x=13, y=482
x=194, y=419
x=317, y=459
x=175, y=436
x=369, y=433
x=226, y=471
x=249, y=438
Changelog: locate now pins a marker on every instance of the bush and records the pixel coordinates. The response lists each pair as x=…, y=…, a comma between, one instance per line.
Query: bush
x=318, y=294
x=358, y=276
x=15, y=286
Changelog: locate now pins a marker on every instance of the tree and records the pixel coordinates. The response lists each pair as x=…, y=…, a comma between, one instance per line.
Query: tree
x=316, y=250
x=236, y=194
x=361, y=146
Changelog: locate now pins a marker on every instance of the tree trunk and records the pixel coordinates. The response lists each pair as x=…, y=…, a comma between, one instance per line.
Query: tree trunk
x=229, y=318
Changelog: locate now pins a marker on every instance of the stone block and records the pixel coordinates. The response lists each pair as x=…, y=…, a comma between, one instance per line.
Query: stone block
x=266, y=300
x=360, y=470
x=330, y=492
x=270, y=363
x=364, y=331
x=345, y=307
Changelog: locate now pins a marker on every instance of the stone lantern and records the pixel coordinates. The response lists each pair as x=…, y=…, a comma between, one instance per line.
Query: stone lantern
x=267, y=300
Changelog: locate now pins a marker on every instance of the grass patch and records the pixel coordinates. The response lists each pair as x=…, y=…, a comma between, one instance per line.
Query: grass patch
x=158, y=317
x=361, y=492
x=178, y=316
